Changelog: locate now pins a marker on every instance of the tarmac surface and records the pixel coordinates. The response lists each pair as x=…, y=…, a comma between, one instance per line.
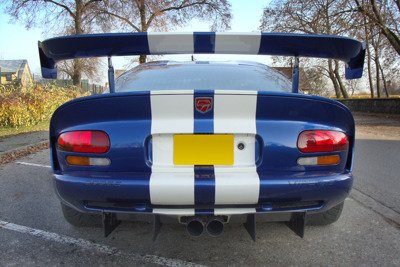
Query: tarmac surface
x=33, y=231
x=21, y=140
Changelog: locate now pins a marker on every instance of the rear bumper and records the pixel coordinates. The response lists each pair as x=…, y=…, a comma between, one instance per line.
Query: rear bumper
x=130, y=194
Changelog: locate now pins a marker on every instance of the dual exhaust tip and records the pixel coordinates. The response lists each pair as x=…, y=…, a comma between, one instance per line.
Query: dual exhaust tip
x=214, y=227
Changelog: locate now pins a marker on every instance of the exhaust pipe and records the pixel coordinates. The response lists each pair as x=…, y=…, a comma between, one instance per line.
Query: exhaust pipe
x=215, y=227
x=195, y=227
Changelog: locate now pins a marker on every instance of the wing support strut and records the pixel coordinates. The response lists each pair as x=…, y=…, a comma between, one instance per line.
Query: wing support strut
x=295, y=76
x=111, y=80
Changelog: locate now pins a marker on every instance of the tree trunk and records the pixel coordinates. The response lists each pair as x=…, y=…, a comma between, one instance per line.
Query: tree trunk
x=378, y=84
x=391, y=36
x=77, y=72
x=333, y=79
x=339, y=80
x=77, y=66
x=143, y=24
x=368, y=54
x=371, y=84
x=384, y=80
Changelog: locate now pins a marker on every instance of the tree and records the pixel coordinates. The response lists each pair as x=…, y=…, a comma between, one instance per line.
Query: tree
x=366, y=34
x=380, y=55
x=308, y=16
x=385, y=15
x=316, y=80
x=143, y=15
x=88, y=66
x=63, y=17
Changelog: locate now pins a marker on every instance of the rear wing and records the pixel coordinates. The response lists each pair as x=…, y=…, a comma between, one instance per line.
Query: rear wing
x=351, y=51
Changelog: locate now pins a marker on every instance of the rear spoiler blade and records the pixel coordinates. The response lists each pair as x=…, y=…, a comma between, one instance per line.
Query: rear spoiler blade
x=351, y=51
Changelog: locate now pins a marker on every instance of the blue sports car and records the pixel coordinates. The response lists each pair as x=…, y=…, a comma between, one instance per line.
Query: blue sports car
x=202, y=143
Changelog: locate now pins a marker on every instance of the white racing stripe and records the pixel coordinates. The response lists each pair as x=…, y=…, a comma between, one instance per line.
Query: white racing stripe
x=236, y=187
x=162, y=146
x=172, y=92
x=89, y=245
x=170, y=114
x=172, y=188
x=234, y=114
x=235, y=92
x=237, y=114
x=237, y=43
x=33, y=164
x=246, y=156
x=174, y=43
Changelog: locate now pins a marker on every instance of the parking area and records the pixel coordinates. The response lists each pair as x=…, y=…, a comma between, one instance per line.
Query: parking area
x=33, y=230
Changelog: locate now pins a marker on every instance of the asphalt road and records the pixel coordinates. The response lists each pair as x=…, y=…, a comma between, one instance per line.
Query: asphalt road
x=20, y=140
x=377, y=170
x=33, y=231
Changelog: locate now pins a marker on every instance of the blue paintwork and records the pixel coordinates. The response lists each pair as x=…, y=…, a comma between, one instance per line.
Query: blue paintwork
x=204, y=42
x=296, y=76
x=124, y=44
x=204, y=180
x=354, y=68
x=204, y=185
x=327, y=188
x=295, y=80
x=126, y=117
x=111, y=80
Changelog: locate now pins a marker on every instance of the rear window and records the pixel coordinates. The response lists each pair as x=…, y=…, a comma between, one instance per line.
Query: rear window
x=202, y=76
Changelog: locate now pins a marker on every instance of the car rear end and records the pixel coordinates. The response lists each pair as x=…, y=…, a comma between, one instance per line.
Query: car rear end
x=202, y=144
x=202, y=155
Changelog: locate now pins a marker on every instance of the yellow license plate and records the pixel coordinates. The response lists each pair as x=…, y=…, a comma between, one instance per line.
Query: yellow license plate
x=203, y=149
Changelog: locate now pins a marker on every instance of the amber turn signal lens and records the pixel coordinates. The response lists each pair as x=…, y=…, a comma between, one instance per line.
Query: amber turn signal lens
x=321, y=160
x=87, y=161
x=82, y=161
x=328, y=160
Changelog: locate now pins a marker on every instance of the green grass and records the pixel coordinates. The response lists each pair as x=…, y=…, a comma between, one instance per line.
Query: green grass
x=9, y=131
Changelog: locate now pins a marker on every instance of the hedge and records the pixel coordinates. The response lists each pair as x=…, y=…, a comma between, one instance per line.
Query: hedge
x=25, y=108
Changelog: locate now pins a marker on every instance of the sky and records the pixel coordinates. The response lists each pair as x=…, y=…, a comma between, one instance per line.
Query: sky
x=20, y=43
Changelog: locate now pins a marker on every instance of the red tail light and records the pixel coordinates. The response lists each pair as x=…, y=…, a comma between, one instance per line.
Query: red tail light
x=84, y=142
x=322, y=141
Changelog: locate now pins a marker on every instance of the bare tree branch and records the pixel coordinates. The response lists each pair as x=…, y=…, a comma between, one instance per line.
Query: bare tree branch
x=62, y=6
x=124, y=19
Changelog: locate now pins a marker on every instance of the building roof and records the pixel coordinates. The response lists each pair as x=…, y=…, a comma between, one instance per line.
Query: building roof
x=12, y=66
